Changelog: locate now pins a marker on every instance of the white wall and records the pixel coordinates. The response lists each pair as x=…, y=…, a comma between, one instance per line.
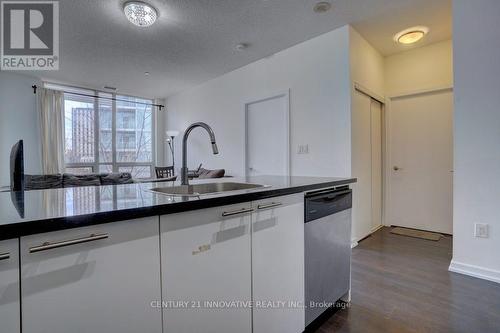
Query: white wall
x=367, y=64
x=425, y=68
x=367, y=70
x=18, y=120
x=317, y=74
x=477, y=136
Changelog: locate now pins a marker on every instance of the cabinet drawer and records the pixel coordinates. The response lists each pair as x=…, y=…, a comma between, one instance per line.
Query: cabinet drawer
x=278, y=264
x=100, y=278
x=206, y=262
x=9, y=286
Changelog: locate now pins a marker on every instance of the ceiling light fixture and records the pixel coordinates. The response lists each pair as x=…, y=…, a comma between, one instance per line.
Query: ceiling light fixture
x=411, y=35
x=140, y=13
x=322, y=7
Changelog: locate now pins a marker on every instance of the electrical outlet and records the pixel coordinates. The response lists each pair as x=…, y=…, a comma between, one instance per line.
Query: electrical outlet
x=303, y=149
x=481, y=230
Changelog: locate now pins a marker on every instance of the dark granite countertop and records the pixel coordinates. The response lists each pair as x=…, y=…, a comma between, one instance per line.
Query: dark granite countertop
x=32, y=212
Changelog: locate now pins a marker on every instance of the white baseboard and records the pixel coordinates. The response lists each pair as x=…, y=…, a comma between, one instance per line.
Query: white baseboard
x=475, y=271
x=346, y=297
x=354, y=241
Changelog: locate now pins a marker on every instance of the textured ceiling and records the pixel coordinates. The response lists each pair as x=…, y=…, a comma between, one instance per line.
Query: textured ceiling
x=193, y=40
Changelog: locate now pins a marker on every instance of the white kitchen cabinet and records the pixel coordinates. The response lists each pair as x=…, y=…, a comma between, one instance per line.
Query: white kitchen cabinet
x=101, y=278
x=206, y=270
x=9, y=286
x=278, y=264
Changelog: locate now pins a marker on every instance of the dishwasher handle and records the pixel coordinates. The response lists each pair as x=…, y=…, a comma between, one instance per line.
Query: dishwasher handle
x=327, y=203
x=329, y=197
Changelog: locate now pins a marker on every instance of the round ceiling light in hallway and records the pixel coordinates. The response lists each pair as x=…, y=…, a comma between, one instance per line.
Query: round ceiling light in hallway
x=411, y=35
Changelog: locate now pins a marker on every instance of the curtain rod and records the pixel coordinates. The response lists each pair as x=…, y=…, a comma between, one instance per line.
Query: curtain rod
x=159, y=106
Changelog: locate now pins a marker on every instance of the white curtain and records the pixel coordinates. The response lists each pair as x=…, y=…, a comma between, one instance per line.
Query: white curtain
x=51, y=122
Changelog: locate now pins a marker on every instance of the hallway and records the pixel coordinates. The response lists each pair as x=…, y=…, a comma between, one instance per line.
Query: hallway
x=402, y=284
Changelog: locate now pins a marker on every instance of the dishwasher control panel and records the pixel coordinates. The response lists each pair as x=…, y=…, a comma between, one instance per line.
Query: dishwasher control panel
x=324, y=203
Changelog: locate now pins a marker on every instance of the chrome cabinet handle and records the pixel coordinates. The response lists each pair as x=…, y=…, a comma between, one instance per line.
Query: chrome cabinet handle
x=239, y=211
x=4, y=256
x=269, y=205
x=48, y=246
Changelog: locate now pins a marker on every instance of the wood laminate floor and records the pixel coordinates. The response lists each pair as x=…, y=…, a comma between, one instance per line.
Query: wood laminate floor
x=402, y=284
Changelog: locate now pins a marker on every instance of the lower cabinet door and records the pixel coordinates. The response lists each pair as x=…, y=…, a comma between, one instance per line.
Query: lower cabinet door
x=9, y=286
x=103, y=278
x=278, y=264
x=206, y=270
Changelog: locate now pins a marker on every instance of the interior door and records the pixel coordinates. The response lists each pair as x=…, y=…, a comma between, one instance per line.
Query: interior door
x=361, y=166
x=366, y=165
x=421, y=148
x=267, y=137
x=376, y=147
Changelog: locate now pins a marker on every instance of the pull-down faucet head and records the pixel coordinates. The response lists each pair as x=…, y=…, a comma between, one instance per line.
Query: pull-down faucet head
x=214, y=148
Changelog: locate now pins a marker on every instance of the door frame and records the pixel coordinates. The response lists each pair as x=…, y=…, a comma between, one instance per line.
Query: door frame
x=286, y=95
x=388, y=142
x=384, y=102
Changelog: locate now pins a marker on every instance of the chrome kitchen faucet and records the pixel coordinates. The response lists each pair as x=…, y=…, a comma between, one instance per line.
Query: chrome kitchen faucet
x=184, y=170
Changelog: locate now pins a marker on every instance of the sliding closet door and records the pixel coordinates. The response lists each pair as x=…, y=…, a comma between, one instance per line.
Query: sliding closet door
x=376, y=145
x=366, y=165
x=361, y=166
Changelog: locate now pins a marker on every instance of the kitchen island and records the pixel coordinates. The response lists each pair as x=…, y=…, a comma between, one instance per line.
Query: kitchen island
x=126, y=259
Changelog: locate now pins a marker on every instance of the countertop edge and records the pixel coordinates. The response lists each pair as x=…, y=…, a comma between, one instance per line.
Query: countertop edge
x=20, y=229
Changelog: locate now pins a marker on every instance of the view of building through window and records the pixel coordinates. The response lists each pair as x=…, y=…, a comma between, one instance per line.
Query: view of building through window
x=103, y=135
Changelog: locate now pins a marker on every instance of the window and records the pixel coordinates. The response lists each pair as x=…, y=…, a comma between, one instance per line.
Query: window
x=104, y=135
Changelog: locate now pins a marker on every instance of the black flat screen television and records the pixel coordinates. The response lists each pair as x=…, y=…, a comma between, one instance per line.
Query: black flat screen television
x=17, y=167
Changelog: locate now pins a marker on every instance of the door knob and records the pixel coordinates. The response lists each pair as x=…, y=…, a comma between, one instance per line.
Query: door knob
x=396, y=168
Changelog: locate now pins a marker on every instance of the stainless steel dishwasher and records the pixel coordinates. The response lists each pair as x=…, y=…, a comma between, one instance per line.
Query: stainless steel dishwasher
x=327, y=249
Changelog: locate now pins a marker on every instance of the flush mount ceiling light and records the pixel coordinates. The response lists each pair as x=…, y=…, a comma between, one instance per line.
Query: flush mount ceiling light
x=322, y=7
x=140, y=13
x=411, y=35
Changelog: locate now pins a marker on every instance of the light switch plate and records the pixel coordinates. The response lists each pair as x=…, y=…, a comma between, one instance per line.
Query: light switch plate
x=303, y=149
x=481, y=230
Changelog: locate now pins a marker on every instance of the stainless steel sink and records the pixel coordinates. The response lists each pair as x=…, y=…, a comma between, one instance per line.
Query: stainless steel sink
x=207, y=188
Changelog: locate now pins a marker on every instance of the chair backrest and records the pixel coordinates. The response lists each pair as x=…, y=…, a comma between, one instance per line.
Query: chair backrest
x=164, y=172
